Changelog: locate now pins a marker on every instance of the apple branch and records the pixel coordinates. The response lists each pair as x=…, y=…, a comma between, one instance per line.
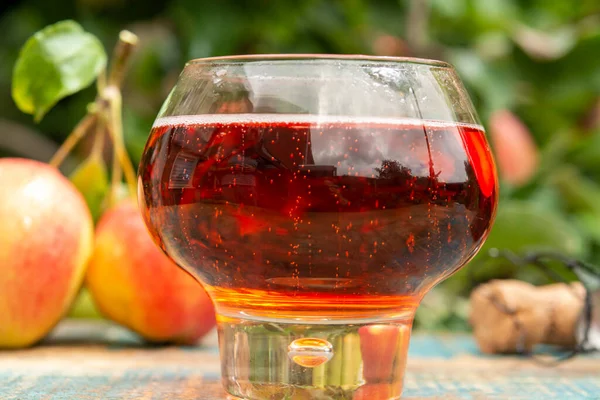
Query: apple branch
x=121, y=54
x=79, y=132
x=112, y=95
x=115, y=128
x=105, y=114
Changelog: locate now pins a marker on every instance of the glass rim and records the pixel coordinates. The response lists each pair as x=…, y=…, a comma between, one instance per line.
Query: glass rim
x=317, y=57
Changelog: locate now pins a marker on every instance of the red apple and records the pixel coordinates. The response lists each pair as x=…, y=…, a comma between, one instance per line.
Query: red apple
x=135, y=284
x=514, y=147
x=46, y=239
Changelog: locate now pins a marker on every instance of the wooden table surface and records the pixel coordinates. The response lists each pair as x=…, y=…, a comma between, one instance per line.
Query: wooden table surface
x=97, y=360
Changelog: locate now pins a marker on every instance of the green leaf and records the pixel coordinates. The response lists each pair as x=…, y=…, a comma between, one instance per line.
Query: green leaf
x=56, y=62
x=546, y=198
x=525, y=225
x=91, y=178
x=520, y=226
x=493, y=82
x=578, y=192
x=586, y=152
x=589, y=223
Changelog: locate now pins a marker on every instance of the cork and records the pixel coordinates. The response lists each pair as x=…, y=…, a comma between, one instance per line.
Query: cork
x=511, y=316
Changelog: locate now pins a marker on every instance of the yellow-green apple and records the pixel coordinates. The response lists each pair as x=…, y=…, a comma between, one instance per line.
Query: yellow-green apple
x=46, y=240
x=135, y=284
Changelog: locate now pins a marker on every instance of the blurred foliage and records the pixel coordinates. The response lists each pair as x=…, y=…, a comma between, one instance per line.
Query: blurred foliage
x=537, y=58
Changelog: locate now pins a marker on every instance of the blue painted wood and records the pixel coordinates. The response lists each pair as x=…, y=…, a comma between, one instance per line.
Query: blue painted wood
x=107, y=362
x=441, y=346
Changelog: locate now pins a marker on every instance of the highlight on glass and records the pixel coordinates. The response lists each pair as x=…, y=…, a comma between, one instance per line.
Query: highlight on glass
x=318, y=199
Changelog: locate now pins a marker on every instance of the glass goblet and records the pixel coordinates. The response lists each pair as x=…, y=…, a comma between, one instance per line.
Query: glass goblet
x=317, y=198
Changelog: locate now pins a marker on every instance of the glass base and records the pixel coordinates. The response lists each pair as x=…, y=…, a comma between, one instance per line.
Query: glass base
x=288, y=360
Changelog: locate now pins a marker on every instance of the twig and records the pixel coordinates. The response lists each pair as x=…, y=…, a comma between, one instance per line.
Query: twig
x=98, y=146
x=82, y=128
x=127, y=41
x=116, y=132
x=115, y=179
x=101, y=81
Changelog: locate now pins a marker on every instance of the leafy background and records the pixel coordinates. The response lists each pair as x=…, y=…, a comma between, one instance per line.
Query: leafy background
x=538, y=59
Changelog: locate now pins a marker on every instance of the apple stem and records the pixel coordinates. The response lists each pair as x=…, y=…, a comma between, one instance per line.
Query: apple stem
x=78, y=133
x=98, y=146
x=112, y=94
x=113, y=195
x=122, y=52
x=121, y=160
